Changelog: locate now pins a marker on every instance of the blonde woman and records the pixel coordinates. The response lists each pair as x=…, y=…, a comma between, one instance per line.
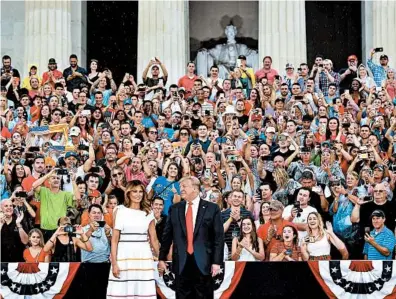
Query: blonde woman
x=35, y=252
x=366, y=81
x=316, y=245
x=285, y=186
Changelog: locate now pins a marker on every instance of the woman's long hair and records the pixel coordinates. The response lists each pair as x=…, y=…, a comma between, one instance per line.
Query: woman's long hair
x=253, y=234
x=328, y=132
x=144, y=204
x=320, y=224
x=14, y=178
x=295, y=233
x=179, y=171
x=281, y=177
x=261, y=216
x=37, y=231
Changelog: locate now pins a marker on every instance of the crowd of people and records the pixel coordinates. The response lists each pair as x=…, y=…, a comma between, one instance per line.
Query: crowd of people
x=301, y=162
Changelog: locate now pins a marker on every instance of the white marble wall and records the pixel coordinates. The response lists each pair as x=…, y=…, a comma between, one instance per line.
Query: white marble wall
x=34, y=31
x=12, y=33
x=379, y=24
x=282, y=33
x=164, y=32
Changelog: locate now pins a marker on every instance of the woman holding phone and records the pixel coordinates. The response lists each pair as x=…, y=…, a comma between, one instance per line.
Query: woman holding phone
x=287, y=250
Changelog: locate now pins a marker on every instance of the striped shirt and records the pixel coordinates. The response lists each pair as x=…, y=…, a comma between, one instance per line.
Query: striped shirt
x=384, y=238
x=234, y=229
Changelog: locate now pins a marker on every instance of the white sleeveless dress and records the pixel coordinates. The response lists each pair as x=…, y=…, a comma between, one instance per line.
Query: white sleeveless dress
x=134, y=257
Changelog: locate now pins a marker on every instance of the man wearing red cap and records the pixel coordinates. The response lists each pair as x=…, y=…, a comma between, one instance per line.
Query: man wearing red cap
x=349, y=73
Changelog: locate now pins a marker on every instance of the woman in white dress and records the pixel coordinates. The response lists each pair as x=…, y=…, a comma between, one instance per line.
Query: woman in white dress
x=132, y=272
x=247, y=247
x=316, y=246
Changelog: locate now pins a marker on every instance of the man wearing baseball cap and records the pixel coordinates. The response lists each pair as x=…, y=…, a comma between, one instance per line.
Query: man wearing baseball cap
x=379, y=71
x=271, y=232
x=53, y=74
x=247, y=72
x=349, y=73
x=380, y=242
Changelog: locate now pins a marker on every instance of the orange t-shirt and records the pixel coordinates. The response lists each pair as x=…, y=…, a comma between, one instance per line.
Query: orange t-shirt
x=262, y=233
x=107, y=217
x=27, y=256
x=34, y=109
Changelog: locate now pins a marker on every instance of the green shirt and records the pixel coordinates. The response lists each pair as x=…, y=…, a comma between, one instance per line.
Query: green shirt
x=53, y=206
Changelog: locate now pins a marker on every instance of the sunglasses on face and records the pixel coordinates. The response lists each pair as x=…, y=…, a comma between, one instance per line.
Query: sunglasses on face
x=117, y=174
x=183, y=134
x=153, y=132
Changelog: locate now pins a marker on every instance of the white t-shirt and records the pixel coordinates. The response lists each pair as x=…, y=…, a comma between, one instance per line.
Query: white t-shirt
x=301, y=219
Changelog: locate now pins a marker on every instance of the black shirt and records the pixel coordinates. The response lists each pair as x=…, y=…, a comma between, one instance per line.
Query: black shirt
x=11, y=245
x=243, y=119
x=346, y=83
x=76, y=81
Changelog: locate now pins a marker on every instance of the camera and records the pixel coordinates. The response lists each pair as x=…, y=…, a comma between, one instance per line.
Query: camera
x=298, y=98
x=321, y=65
x=95, y=169
x=335, y=183
x=296, y=205
x=207, y=112
x=232, y=158
x=21, y=194
x=368, y=198
x=62, y=171
x=379, y=50
x=101, y=223
x=82, y=147
x=69, y=229
x=346, y=125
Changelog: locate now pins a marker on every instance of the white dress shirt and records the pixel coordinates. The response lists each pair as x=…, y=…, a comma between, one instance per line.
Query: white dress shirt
x=195, y=206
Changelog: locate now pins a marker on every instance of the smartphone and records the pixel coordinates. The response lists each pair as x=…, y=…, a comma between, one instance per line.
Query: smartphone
x=95, y=169
x=368, y=198
x=86, y=112
x=239, y=62
x=346, y=91
x=21, y=194
x=232, y=158
x=277, y=77
x=62, y=172
x=379, y=50
x=367, y=230
x=363, y=156
x=107, y=114
x=101, y=223
x=298, y=98
x=378, y=89
x=34, y=149
x=177, y=150
x=207, y=173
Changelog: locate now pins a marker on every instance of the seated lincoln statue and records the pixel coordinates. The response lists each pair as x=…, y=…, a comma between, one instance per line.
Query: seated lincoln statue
x=225, y=56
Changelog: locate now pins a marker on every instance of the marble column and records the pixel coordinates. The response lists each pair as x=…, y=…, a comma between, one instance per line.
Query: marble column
x=282, y=33
x=164, y=33
x=47, y=33
x=378, y=24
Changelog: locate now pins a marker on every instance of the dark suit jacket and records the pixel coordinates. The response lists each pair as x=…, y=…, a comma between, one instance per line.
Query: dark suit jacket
x=208, y=237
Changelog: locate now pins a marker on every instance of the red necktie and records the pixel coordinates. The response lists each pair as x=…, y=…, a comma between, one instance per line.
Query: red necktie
x=189, y=226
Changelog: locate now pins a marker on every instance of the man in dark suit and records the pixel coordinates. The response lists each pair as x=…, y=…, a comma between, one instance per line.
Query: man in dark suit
x=196, y=230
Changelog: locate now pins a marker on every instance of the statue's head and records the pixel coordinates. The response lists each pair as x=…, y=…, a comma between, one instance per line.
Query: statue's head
x=230, y=31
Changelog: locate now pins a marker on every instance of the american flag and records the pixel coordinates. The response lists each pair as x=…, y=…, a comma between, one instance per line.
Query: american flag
x=62, y=128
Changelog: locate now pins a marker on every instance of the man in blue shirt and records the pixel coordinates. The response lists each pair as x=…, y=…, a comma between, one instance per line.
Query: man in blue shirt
x=380, y=242
x=98, y=235
x=379, y=71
